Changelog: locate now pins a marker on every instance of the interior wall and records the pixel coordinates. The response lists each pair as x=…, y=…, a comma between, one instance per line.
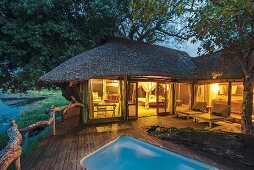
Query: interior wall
x=183, y=96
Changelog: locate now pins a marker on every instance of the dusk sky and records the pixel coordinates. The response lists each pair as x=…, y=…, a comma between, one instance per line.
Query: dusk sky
x=186, y=46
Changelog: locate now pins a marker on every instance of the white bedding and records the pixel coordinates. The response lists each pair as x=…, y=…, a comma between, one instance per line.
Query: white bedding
x=144, y=100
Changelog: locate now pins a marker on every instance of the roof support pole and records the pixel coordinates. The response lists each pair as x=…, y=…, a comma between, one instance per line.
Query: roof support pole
x=85, y=102
x=192, y=94
x=229, y=95
x=54, y=125
x=124, y=101
x=173, y=98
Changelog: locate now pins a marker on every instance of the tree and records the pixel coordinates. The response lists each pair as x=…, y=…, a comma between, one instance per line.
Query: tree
x=229, y=25
x=36, y=36
x=153, y=20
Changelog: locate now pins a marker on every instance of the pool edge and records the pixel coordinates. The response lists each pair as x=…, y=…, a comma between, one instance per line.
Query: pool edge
x=142, y=140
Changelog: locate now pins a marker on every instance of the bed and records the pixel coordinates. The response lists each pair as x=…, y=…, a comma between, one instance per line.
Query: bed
x=236, y=103
x=152, y=101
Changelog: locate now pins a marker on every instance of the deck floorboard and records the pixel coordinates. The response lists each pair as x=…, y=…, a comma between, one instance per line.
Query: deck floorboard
x=70, y=145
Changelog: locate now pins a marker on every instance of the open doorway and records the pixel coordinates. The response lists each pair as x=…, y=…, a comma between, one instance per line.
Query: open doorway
x=147, y=100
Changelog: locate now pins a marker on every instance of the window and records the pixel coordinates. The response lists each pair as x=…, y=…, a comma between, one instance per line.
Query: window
x=216, y=93
x=105, y=98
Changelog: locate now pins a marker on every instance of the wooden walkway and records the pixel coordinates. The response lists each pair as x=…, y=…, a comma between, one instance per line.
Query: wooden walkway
x=71, y=144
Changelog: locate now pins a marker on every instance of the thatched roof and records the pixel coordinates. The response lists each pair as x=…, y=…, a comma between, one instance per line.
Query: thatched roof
x=121, y=57
x=218, y=66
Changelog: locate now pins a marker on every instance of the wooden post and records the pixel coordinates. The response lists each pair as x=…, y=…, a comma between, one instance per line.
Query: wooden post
x=173, y=98
x=229, y=95
x=54, y=124
x=124, y=99
x=157, y=99
x=13, y=149
x=192, y=94
x=17, y=164
x=127, y=98
x=85, y=102
x=81, y=92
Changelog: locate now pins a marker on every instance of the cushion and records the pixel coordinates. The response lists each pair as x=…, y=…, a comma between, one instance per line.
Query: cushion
x=221, y=109
x=199, y=106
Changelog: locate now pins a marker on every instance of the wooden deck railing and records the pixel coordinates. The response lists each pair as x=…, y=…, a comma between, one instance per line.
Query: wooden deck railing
x=13, y=150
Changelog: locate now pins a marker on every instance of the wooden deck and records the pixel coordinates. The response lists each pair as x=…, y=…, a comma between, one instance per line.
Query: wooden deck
x=71, y=144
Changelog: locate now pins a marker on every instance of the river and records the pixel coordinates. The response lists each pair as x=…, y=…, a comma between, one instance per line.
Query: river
x=12, y=105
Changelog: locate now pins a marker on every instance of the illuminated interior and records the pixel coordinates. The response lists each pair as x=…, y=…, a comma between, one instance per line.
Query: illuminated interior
x=105, y=95
x=153, y=98
x=183, y=96
x=147, y=99
x=217, y=93
x=132, y=100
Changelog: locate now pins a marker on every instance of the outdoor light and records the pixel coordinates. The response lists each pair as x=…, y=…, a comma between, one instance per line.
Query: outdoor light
x=215, y=88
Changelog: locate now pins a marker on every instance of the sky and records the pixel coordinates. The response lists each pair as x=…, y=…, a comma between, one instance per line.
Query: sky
x=186, y=46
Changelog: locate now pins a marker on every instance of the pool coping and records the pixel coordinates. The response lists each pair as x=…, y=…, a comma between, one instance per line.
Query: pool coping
x=184, y=155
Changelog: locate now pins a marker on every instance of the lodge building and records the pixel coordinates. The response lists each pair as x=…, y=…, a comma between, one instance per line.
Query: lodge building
x=124, y=79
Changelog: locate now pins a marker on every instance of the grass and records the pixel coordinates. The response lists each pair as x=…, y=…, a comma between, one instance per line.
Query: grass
x=33, y=115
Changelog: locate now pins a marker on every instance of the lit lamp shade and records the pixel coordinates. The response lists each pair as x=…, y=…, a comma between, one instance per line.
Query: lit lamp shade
x=215, y=88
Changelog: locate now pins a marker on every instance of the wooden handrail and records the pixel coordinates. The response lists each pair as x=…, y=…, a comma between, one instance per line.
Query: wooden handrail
x=13, y=150
x=43, y=123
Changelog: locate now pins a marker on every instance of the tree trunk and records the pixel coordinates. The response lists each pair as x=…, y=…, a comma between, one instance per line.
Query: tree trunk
x=247, y=107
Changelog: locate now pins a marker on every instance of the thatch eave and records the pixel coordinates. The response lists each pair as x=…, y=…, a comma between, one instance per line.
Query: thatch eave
x=124, y=58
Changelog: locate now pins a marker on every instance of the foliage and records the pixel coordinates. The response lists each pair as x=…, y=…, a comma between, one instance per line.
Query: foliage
x=153, y=20
x=3, y=140
x=34, y=115
x=224, y=24
x=36, y=36
x=33, y=142
x=229, y=26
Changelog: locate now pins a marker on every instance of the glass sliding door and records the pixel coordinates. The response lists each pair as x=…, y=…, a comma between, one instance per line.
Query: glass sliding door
x=169, y=98
x=236, y=100
x=104, y=98
x=132, y=100
x=164, y=98
x=161, y=98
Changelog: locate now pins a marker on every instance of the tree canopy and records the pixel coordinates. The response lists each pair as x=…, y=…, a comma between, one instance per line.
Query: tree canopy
x=224, y=24
x=229, y=26
x=36, y=36
x=153, y=20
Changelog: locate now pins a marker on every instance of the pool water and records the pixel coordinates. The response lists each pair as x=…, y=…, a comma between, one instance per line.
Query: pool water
x=127, y=153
